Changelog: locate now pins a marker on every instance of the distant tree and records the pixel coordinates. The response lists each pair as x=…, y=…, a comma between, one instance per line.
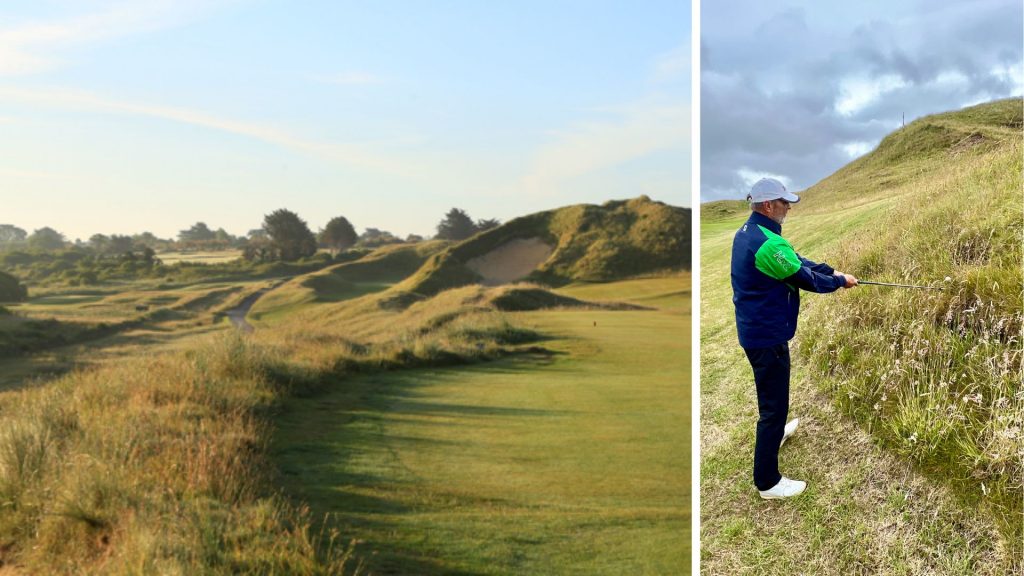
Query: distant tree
x=456, y=225
x=11, y=234
x=199, y=232
x=221, y=235
x=289, y=235
x=46, y=238
x=120, y=245
x=99, y=243
x=149, y=239
x=482, y=225
x=258, y=249
x=257, y=233
x=148, y=256
x=338, y=235
x=413, y=238
x=10, y=289
x=372, y=237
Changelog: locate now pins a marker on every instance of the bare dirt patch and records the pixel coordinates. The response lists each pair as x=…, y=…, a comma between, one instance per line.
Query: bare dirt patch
x=511, y=261
x=966, y=143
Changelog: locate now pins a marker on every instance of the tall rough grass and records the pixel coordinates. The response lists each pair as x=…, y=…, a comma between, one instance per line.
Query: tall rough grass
x=157, y=465
x=937, y=374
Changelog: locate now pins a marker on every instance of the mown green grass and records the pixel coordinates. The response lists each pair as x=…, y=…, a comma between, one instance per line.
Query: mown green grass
x=568, y=463
x=895, y=459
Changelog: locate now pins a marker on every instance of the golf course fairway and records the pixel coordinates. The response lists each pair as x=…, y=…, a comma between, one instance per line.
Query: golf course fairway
x=576, y=461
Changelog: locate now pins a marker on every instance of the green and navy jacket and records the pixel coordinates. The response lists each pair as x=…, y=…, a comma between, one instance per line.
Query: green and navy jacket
x=767, y=276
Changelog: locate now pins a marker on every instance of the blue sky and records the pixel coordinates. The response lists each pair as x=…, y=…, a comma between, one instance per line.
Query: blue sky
x=798, y=89
x=120, y=117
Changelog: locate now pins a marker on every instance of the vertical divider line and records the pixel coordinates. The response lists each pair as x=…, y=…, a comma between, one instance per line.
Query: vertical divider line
x=695, y=286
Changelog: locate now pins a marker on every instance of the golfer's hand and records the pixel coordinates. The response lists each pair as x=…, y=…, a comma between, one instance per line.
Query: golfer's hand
x=851, y=281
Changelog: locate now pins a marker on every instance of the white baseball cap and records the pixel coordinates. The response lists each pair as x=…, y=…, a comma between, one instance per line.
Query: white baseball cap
x=770, y=189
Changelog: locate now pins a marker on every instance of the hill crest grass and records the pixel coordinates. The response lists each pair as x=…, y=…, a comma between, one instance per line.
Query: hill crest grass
x=936, y=375
x=158, y=465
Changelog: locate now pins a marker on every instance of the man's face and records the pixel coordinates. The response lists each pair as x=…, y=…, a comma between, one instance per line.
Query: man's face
x=777, y=210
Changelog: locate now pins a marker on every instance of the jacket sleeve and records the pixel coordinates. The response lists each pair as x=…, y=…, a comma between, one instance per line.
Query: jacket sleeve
x=777, y=259
x=806, y=278
x=816, y=267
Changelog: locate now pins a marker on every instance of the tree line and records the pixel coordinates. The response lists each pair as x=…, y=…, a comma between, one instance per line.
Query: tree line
x=284, y=236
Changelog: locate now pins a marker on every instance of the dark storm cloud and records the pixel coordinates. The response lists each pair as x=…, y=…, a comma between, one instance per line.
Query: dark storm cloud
x=771, y=89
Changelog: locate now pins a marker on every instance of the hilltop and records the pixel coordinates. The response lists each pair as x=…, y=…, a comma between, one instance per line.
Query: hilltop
x=929, y=381
x=584, y=242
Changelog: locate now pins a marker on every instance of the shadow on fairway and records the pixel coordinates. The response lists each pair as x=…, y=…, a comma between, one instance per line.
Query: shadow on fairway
x=332, y=452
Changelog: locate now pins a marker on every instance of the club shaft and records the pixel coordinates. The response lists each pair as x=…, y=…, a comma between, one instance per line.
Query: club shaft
x=900, y=285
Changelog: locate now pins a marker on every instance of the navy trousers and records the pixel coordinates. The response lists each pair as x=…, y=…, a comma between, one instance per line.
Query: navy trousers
x=771, y=376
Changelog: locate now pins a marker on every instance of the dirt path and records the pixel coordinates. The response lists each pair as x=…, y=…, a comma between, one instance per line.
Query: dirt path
x=237, y=314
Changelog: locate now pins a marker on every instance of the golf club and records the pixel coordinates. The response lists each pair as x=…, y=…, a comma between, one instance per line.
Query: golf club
x=899, y=285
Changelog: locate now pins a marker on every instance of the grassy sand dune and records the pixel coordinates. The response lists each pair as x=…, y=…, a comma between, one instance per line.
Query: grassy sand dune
x=910, y=401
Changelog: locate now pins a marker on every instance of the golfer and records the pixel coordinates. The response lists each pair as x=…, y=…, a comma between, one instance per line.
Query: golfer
x=767, y=276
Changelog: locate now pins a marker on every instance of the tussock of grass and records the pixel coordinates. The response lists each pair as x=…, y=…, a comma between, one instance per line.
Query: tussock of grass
x=157, y=465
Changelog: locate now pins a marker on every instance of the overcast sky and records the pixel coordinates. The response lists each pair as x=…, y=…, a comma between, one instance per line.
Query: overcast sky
x=119, y=116
x=798, y=89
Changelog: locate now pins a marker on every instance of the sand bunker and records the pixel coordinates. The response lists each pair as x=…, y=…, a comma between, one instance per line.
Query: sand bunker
x=511, y=261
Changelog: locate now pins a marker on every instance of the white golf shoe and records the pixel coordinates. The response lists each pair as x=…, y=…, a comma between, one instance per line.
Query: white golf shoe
x=789, y=430
x=786, y=488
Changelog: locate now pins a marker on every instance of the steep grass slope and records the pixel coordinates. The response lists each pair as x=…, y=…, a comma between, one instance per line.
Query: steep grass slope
x=612, y=241
x=936, y=374
x=923, y=474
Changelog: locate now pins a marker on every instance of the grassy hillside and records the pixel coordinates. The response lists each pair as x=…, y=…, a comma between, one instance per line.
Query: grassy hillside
x=615, y=240
x=373, y=272
x=928, y=477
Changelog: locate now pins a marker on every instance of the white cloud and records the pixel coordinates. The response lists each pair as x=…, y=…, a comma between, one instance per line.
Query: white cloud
x=856, y=93
x=345, y=153
x=638, y=130
x=33, y=47
x=951, y=79
x=1012, y=73
x=750, y=177
x=673, y=65
x=856, y=149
